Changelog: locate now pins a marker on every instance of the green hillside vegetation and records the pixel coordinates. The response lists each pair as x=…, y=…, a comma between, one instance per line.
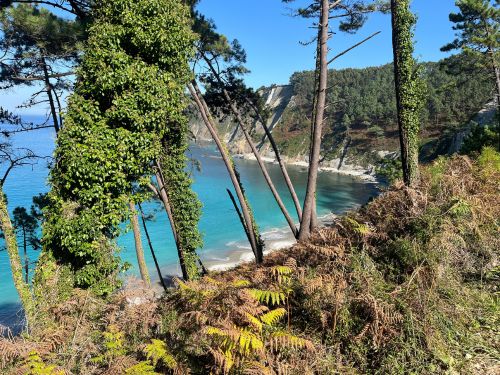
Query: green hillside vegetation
x=404, y=285
x=362, y=106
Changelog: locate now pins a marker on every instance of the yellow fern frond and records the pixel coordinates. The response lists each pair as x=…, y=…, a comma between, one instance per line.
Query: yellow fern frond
x=273, y=316
x=254, y=322
x=359, y=228
x=283, y=339
x=240, y=283
x=268, y=296
x=249, y=342
x=142, y=368
x=282, y=274
x=157, y=351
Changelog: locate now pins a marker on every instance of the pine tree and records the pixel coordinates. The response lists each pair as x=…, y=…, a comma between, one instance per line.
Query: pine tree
x=478, y=35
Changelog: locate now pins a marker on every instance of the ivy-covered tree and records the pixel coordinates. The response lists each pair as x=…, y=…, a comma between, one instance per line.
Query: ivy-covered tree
x=126, y=109
x=408, y=88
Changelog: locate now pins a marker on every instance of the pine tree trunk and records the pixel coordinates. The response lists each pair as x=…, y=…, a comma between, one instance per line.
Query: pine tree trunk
x=281, y=164
x=146, y=232
x=256, y=153
x=139, y=250
x=405, y=83
x=168, y=208
x=308, y=220
x=26, y=261
x=255, y=242
x=48, y=90
x=16, y=267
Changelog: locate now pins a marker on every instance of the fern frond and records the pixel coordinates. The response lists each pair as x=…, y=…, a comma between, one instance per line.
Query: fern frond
x=256, y=368
x=142, y=368
x=249, y=342
x=359, y=228
x=282, y=274
x=35, y=365
x=268, y=296
x=254, y=322
x=273, y=316
x=157, y=351
x=240, y=283
x=283, y=339
x=241, y=339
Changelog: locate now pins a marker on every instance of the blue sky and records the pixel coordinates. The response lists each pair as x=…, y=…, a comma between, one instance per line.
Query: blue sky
x=271, y=38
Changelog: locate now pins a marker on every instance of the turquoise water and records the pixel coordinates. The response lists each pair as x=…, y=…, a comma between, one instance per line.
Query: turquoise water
x=219, y=224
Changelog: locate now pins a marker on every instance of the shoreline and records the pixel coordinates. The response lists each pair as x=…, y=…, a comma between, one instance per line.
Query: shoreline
x=359, y=172
x=239, y=252
x=366, y=174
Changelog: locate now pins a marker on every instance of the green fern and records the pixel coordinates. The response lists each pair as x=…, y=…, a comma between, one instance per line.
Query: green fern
x=113, y=345
x=254, y=322
x=142, y=368
x=273, y=316
x=359, y=228
x=282, y=274
x=157, y=352
x=34, y=366
x=283, y=339
x=268, y=296
x=241, y=339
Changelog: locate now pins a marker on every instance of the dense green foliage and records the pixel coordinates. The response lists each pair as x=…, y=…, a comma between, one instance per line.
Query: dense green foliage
x=127, y=105
x=363, y=98
x=479, y=137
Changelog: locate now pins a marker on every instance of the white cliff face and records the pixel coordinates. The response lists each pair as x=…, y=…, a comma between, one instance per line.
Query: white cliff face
x=277, y=99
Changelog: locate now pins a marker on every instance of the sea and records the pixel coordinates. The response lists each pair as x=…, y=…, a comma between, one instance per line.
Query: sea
x=219, y=224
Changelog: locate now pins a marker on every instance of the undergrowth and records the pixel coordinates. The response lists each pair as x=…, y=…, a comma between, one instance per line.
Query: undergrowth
x=408, y=284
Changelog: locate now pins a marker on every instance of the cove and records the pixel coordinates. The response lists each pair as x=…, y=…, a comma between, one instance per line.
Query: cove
x=224, y=239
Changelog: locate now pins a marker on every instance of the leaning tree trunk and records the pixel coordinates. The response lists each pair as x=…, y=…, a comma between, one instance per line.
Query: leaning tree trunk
x=26, y=260
x=308, y=215
x=48, y=90
x=15, y=260
x=281, y=164
x=162, y=194
x=261, y=163
x=407, y=96
x=139, y=250
x=153, y=254
x=251, y=227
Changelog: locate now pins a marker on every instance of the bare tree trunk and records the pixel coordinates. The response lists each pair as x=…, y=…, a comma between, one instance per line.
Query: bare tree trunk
x=249, y=222
x=48, y=89
x=281, y=164
x=261, y=163
x=139, y=250
x=26, y=261
x=15, y=260
x=496, y=71
x=168, y=208
x=146, y=232
x=59, y=107
x=309, y=202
